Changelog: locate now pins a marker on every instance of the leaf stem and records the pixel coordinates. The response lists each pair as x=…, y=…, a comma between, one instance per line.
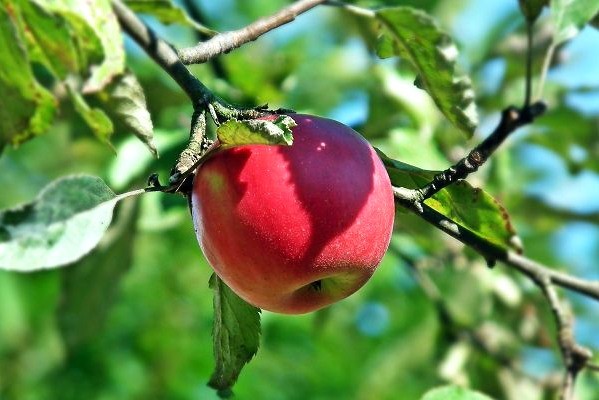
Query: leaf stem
x=545, y=69
x=528, y=88
x=359, y=11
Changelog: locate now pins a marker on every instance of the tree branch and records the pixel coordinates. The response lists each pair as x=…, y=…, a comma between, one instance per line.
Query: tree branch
x=511, y=119
x=494, y=252
x=228, y=41
x=574, y=355
x=163, y=53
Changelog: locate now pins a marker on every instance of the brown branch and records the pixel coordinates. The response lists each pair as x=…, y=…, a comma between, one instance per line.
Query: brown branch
x=494, y=252
x=512, y=118
x=575, y=356
x=163, y=53
x=228, y=41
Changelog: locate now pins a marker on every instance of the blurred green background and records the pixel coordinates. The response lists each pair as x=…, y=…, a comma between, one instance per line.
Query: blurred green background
x=133, y=319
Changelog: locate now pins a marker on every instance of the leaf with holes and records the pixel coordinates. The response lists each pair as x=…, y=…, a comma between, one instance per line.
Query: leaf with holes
x=236, y=335
x=415, y=36
x=256, y=131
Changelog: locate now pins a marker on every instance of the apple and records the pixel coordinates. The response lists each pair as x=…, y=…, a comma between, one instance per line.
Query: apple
x=292, y=229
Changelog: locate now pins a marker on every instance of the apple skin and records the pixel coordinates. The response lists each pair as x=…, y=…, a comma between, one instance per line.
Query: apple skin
x=292, y=229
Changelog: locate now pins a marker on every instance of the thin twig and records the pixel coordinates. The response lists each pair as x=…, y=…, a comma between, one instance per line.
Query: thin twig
x=511, y=119
x=228, y=41
x=575, y=356
x=195, y=12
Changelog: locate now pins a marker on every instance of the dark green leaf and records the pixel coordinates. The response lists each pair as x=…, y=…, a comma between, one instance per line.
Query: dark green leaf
x=90, y=285
x=236, y=335
x=65, y=222
x=570, y=16
x=95, y=118
x=470, y=207
x=415, y=36
x=26, y=108
x=125, y=99
x=167, y=12
x=454, y=393
x=256, y=131
x=531, y=9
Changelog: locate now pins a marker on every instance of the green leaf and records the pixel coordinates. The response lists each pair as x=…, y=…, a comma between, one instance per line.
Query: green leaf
x=256, y=131
x=570, y=16
x=167, y=12
x=96, y=119
x=49, y=36
x=125, y=99
x=26, y=108
x=98, y=16
x=415, y=36
x=470, y=207
x=89, y=286
x=65, y=222
x=531, y=9
x=236, y=335
x=454, y=393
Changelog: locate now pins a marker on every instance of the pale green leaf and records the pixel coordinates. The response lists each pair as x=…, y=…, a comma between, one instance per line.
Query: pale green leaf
x=570, y=16
x=415, y=36
x=125, y=99
x=60, y=226
x=26, y=108
x=256, y=131
x=236, y=335
x=454, y=393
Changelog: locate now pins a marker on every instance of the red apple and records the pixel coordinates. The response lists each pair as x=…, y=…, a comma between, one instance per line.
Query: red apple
x=292, y=229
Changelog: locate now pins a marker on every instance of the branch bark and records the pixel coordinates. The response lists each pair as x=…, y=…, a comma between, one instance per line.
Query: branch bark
x=163, y=53
x=228, y=41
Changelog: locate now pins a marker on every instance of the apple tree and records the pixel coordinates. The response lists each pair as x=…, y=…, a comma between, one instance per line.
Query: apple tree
x=120, y=119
